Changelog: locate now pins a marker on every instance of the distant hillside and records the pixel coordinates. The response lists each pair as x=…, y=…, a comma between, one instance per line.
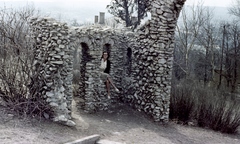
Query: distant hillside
x=221, y=13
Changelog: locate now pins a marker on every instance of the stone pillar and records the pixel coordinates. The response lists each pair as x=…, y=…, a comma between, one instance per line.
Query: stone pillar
x=53, y=66
x=102, y=18
x=96, y=19
x=154, y=59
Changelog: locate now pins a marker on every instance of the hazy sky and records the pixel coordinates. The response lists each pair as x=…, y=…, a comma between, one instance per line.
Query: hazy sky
x=85, y=10
x=219, y=3
x=216, y=3
x=80, y=10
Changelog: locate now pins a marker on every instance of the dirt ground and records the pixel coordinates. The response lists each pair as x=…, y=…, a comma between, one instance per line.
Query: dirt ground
x=119, y=124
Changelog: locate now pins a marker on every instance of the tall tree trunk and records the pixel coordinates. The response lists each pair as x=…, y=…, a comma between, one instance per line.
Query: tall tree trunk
x=221, y=61
x=139, y=11
x=235, y=75
x=127, y=15
x=206, y=64
x=228, y=63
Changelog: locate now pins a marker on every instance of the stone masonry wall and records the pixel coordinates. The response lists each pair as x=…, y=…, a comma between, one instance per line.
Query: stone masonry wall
x=54, y=62
x=53, y=67
x=154, y=58
x=92, y=41
x=141, y=63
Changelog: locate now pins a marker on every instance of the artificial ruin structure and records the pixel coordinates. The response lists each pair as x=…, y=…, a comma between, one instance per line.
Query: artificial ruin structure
x=141, y=63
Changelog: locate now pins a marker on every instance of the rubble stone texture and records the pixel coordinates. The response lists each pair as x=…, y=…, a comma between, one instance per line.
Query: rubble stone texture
x=92, y=42
x=53, y=66
x=153, y=59
x=141, y=63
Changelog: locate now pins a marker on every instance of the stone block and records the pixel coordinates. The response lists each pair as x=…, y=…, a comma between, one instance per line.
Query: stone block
x=86, y=140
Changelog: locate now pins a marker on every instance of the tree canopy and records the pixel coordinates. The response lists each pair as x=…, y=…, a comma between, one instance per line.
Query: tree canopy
x=130, y=11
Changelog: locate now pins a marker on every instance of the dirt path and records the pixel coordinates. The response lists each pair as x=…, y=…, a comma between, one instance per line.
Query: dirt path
x=119, y=124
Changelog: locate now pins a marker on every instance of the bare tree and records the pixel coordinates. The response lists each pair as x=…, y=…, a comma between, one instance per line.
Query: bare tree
x=142, y=8
x=235, y=9
x=122, y=9
x=231, y=55
x=221, y=71
x=130, y=11
x=16, y=57
x=208, y=38
x=188, y=28
x=236, y=47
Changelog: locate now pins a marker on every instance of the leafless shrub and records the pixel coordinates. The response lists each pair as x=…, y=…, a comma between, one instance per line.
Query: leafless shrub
x=16, y=57
x=215, y=109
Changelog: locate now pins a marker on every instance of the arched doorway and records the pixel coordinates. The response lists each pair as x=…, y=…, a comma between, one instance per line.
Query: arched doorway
x=81, y=58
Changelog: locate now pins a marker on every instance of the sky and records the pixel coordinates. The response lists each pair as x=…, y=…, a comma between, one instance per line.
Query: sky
x=85, y=10
x=80, y=10
x=218, y=3
x=214, y=3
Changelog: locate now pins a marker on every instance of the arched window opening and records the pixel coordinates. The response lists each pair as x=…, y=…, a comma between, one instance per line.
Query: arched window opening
x=129, y=54
x=129, y=61
x=86, y=57
x=107, y=48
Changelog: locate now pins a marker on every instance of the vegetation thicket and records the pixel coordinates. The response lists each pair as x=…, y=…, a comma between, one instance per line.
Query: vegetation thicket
x=16, y=58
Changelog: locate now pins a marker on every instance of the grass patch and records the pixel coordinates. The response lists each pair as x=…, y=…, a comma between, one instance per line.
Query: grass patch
x=182, y=103
x=217, y=110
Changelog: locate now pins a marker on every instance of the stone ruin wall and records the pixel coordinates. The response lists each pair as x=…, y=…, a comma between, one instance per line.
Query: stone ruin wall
x=53, y=66
x=141, y=63
x=154, y=59
x=92, y=41
x=62, y=51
